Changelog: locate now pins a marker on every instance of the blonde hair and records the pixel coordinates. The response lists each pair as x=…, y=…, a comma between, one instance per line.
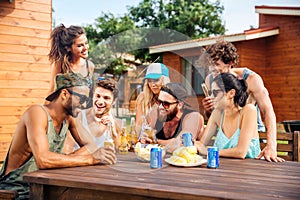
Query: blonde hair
x=149, y=96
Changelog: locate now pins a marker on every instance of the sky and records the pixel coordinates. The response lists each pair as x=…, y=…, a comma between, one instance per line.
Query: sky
x=238, y=15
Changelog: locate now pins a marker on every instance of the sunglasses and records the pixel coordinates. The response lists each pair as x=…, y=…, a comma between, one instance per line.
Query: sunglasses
x=216, y=92
x=165, y=104
x=82, y=98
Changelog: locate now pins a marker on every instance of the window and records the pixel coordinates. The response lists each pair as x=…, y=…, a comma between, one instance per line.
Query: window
x=194, y=71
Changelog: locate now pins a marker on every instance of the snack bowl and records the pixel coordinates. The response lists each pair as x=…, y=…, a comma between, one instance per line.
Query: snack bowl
x=142, y=151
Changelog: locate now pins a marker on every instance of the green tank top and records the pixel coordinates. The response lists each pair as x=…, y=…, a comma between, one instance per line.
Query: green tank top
x=14, y=179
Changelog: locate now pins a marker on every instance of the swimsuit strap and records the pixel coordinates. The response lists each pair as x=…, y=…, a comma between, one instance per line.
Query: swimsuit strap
x=222, y=117
x=87, y=68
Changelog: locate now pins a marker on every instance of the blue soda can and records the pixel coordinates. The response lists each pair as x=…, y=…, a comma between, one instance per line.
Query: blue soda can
x=212, y=157
x=156, y=157
x=187, y=139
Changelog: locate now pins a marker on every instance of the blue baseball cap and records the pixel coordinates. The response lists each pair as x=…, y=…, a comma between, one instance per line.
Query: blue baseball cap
x=156, y=70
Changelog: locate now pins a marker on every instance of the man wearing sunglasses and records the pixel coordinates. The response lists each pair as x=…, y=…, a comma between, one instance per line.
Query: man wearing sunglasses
x=39, y=137
x=175, y=117
x=93, y=122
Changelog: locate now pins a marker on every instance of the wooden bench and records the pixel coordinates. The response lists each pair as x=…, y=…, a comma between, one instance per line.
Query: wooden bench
x=288, y=143
x=8, y=194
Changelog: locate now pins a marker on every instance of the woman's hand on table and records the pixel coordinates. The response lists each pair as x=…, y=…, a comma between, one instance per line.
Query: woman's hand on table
x=200, y=147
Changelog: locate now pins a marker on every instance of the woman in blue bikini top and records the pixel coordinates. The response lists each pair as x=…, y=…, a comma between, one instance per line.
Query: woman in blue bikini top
x=233, y=120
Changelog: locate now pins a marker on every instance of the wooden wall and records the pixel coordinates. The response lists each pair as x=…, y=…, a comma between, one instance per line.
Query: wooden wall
x=283, y=65
x=25, y=27
x=276, y=59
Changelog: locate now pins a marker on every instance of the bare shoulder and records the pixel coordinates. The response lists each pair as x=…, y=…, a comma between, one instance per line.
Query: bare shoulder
x=55, y=68
x=248, y=108
x=194, y=114
x=35, y=114
x=91, y=64
x=217, y=112
x=215, y=116
x=35, y=109
x=193, y=117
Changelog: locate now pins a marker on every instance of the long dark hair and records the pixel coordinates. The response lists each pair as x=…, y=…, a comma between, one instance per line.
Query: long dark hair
x=227, y=81
x=61, y=38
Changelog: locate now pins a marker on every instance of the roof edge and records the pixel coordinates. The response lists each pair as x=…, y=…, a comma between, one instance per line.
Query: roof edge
x=278, y=10
x=247, y=35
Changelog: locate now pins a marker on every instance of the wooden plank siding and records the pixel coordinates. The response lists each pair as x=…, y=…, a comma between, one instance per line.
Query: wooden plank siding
x=25, y=27
x=283, y=66
x=276, y=59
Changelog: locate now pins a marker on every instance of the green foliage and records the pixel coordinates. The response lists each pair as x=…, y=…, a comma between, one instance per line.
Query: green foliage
x=152, y=22
x=195, y=19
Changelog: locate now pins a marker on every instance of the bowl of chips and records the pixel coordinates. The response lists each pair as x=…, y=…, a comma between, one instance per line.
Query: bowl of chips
x=142, y=151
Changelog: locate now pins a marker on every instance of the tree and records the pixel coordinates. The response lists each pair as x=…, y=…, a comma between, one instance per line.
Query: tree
x=107, y=44
x=153, y=22
x=194, y=18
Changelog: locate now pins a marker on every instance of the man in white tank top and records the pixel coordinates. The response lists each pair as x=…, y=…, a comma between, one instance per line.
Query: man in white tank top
x=93, y=122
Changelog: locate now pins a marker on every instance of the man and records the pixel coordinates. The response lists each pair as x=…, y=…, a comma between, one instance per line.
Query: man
x=174, y=117
x=93, y=122
x=224, y=57
x=40, y=135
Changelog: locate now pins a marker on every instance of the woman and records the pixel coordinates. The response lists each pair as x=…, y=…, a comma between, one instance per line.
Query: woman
x=232, y=119
x=157, y=75
x=69, y=52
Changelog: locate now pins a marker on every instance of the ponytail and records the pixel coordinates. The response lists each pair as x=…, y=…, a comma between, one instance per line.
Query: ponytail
x=62, y=38
x=227, y=82
x=241, y=95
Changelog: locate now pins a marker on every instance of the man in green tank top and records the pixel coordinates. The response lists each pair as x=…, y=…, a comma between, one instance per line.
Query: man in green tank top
x=40, y=135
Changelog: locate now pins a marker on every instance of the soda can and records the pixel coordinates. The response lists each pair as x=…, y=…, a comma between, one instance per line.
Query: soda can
x=212, y=157
x=156, y=157
x=187, y=139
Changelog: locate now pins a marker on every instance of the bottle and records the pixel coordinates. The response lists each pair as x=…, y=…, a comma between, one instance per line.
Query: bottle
x=147, y=130
x=123, y=148
x=108, y=137
x=132, y=136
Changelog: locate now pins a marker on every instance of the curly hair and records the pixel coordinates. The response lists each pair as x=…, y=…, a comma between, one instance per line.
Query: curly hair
x=225, y=51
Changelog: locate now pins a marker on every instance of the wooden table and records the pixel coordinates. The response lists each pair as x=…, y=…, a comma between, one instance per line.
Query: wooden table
x=132, y=179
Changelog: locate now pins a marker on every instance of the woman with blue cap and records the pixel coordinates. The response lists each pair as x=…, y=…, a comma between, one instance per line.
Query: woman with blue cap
x=157, y=75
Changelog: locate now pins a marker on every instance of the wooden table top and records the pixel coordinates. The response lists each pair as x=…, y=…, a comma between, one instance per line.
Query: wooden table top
x=234, y=179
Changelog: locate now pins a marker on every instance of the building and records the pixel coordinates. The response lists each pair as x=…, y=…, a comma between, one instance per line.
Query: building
x=25, y=27
x=272, y=50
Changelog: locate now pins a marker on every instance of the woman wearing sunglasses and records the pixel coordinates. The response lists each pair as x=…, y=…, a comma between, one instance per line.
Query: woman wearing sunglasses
x=157, y=75
x=232, y=119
